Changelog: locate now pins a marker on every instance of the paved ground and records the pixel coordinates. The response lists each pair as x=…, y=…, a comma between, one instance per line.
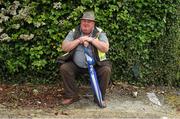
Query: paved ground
x=119, y=106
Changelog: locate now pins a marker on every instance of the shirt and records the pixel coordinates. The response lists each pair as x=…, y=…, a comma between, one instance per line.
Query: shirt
x=79, y=57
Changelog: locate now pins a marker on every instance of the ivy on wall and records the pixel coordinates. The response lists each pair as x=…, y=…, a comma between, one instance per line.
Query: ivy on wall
x=143, y=37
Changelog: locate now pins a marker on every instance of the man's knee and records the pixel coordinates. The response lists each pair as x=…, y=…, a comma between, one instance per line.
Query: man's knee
x=107, y=70
x=64, y=67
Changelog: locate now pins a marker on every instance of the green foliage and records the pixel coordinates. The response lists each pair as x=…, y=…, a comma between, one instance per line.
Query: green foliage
x=143, y=34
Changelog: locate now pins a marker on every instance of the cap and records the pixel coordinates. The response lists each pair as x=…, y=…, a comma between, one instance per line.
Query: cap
x=88, y=15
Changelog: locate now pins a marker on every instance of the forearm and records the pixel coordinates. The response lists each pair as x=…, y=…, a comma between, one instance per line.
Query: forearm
x=67, y=46
x=102, y=46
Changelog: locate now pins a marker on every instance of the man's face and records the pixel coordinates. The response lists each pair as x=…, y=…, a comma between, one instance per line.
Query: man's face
x=87, y=26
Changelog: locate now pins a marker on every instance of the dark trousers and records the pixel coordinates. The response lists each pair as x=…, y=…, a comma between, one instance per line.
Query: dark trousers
x=69, y=72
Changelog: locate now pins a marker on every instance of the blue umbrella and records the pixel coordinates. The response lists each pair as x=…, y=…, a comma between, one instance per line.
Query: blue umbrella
x=93, y=76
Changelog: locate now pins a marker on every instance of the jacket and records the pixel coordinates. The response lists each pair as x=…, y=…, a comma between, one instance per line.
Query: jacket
x=100, y=57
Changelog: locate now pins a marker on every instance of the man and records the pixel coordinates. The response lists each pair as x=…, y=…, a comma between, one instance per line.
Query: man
x=92, y=37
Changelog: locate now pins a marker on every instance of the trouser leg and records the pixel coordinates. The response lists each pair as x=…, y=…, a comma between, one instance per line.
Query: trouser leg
x=68, y=72
x=103, y=74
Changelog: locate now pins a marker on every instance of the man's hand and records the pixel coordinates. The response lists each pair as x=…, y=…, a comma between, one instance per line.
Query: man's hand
x=86, y=38
x=86, y=44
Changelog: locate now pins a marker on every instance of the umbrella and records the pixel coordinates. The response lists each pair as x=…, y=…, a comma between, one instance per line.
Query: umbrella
x=93, y=77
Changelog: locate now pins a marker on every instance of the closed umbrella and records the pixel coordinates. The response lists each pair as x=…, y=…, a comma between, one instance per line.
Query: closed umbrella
x=93, y=76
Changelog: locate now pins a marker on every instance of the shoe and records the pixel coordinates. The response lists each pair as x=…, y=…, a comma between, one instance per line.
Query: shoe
x=103, y=105
x=69, y=101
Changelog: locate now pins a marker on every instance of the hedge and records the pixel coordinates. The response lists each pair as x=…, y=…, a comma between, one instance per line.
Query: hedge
x=143, y=34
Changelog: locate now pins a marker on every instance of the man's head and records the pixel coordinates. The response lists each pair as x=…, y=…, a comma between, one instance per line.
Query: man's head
x=87, y=22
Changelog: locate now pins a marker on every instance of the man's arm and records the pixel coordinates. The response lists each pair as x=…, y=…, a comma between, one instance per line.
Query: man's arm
x=70, y=43
x=100, y=45
x=67, y=46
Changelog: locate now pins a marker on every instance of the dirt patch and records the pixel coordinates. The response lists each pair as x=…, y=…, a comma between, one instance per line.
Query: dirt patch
x=45, y=96
x=34, y=96
x=29, y=101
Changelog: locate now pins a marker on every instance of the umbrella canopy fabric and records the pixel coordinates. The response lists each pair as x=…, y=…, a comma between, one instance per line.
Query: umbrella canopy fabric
x=93, y=77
